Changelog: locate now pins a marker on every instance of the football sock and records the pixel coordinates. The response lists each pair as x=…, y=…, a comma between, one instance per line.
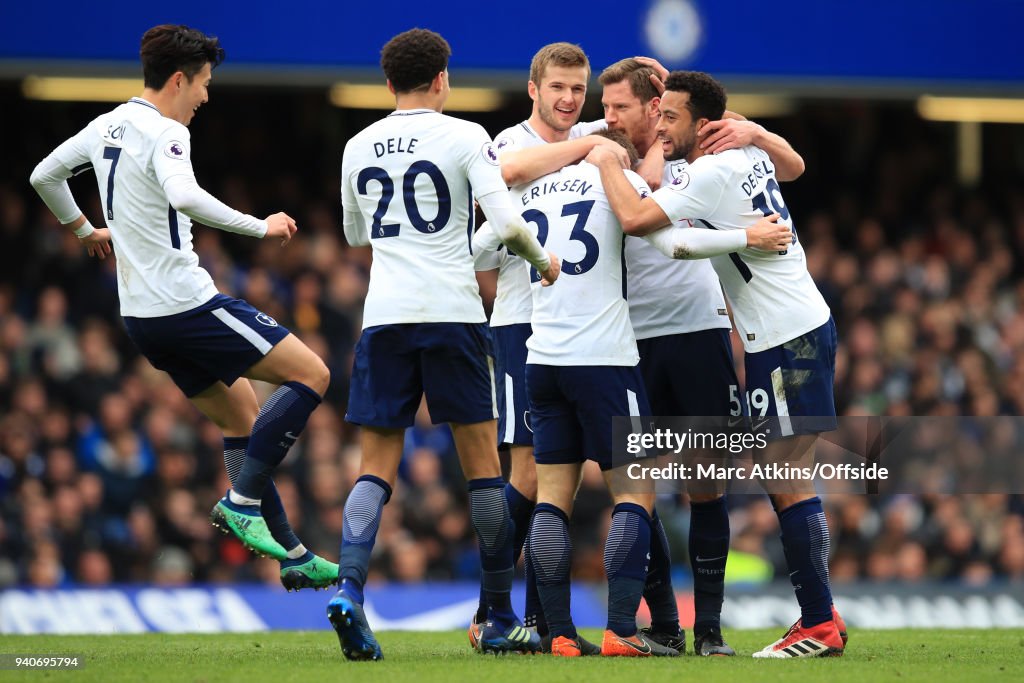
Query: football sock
x=550, y=553
x=361, y=519
x=488, y=510
x=270, y=502
x=278, y=425
x=805, y=540
x=520, y=509
x=658, y=593
x=533, y=615
x=625, y=563
x=709, y=550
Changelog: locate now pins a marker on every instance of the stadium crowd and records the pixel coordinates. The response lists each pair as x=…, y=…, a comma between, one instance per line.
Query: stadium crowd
x=107, y=473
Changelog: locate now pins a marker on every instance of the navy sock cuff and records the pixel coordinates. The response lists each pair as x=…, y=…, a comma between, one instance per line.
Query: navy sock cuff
x=234, y=442
x=631, y=507
x=302, y=389
x=379, y=482
x=485, y=483
x=796, y=507
x=553, y=509
x=515, y=497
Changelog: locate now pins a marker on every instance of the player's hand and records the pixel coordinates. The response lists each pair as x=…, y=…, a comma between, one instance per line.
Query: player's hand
x=652, y=167
x=659, y=75
x=718, y=136
x=97, y=243
x=548, y=277
x=282, y=226
x=767, y=235
x=606, y=149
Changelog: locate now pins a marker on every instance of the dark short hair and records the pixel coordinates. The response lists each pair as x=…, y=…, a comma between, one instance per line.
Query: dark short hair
x=637, y=74
x=411, y=60
x=707, y=96
x=169, y=48
x=623, y=139
x=564, y=55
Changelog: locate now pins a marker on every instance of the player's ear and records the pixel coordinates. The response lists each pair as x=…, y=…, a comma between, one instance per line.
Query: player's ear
x=438, y=84
x=654, y=107
x=391, y=88
x=531, y=90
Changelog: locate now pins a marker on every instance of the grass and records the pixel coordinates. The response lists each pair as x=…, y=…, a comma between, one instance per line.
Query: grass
x=306, y=657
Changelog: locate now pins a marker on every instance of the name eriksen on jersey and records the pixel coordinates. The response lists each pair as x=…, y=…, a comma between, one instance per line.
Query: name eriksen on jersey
x=576, y=185
x=761, y=169
x=394, y=145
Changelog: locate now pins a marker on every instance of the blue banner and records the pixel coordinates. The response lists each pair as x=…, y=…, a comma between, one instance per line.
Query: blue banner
x=446, y=606
x=879, y=41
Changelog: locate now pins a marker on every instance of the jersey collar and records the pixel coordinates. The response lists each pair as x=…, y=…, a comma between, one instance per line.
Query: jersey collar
x=411, y=112
x=144, y=103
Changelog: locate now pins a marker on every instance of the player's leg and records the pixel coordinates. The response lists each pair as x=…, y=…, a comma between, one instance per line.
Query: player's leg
x=551, y=549
x=234, y=410
x=599, y=395
x=509, y=346
x=790, y=399
x=663, y=368
x=384, y=394
x=709, y=363
x=206, y=350
x=626, y=556
x=458, y=381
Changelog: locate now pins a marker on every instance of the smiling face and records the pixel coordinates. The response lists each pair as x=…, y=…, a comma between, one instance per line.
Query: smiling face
x=558, y=98
x=677, y=129
x=192, y=94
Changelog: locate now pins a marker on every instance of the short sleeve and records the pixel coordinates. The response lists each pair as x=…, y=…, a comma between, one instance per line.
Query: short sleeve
x=694, y=193
x=587, y=128
x=638, y=183
x=172, y=154
x=482, y=166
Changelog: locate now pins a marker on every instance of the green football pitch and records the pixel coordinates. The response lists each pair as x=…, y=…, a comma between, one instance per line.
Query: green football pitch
x=309, y=657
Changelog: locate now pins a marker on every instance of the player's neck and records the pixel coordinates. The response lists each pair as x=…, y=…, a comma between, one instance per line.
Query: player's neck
x=645, y=145
x=546, y=132
x=418, y=100
x=159, y=99
x=697, y=153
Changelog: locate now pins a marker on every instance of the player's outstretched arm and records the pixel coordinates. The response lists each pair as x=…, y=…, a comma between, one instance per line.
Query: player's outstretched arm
x=513, y=232
x=185, y=195
x=638, y=216
x=732, y=133
x=520, y=166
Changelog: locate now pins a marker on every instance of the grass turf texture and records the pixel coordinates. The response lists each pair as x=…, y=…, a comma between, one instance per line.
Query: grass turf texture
x=904, y=655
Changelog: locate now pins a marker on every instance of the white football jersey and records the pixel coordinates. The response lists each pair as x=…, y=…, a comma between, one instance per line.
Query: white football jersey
x=670, y=296
x=512, y=304
x=583, y=318
x=413, y=175
x=773, y=296
x=133, y=150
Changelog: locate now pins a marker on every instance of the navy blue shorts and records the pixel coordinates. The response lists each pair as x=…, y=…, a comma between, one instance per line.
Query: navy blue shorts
x=396, y=365
x=510, y=374
x=571, y=410
x=789, y=387
x=690, y=374
x=218, y=341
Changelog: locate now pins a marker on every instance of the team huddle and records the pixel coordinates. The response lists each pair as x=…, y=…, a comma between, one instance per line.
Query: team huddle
x=613, y=242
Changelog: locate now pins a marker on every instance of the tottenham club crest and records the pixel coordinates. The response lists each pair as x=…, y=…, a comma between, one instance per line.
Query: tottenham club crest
x=489, y=154
x=264, y=319
x=175, y=150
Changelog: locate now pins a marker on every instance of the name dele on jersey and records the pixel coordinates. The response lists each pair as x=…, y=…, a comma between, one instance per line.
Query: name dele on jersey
x=176, y=150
